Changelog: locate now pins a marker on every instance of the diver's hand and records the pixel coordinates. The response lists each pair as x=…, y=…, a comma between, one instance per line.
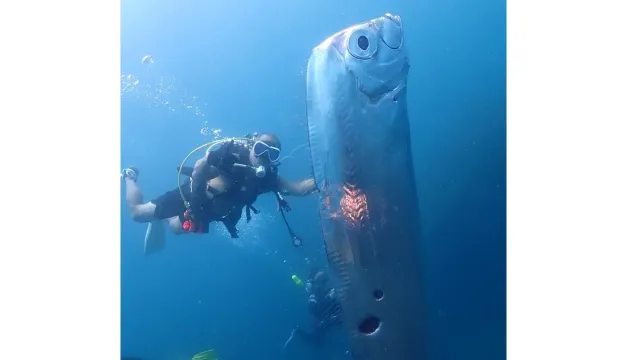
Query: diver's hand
x=221, y=158
x=284, y=205
x=227, y=159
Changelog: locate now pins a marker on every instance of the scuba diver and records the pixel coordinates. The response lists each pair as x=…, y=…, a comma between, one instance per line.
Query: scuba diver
x=324, y=307
x=223, y=183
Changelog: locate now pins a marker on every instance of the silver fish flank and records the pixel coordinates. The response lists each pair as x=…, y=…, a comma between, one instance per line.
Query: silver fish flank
x=362, y=163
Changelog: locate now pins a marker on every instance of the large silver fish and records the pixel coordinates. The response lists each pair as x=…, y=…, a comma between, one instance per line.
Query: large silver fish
x=363, y=167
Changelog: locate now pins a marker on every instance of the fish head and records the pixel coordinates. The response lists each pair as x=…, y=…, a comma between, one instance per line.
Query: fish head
x=356, y=98
x=374, y=55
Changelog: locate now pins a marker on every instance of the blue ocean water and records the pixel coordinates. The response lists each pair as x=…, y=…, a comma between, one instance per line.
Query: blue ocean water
x=232, y=67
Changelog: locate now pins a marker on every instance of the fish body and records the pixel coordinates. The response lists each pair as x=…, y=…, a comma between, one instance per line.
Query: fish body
x=360, y=145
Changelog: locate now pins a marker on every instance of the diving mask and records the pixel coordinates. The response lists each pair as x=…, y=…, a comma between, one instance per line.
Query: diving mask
x=261, y=148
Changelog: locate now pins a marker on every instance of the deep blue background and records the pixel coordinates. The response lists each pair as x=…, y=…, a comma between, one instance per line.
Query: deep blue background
x=239, y=66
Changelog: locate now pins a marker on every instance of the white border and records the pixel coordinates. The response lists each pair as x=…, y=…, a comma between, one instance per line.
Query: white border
x=573, y=180
x=60, y=108
x=573, y=185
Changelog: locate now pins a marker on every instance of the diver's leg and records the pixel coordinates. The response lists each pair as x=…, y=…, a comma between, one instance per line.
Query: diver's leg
x=175, y=224
x=168, y=206
x=139, y=212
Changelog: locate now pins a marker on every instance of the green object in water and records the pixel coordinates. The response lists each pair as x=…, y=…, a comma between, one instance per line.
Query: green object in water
x=296, y=280
x=205, y=355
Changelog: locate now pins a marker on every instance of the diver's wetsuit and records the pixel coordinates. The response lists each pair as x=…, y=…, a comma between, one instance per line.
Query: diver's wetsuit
x=227, y=206
x=170, y=204
x=326, y=311
x=245, y=186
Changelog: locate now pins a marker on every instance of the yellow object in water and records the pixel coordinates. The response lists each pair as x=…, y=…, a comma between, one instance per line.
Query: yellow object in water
x=296, y=280
x=205, y=355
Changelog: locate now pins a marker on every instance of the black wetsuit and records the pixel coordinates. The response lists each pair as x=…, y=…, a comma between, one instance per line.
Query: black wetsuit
x=171, y=204
x=326, y=311
x=244, y=191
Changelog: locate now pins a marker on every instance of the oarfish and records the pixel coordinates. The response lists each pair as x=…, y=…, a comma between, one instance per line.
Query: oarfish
x=363, y=167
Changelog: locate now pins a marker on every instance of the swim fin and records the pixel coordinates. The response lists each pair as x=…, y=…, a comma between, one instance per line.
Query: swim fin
x=154, y=239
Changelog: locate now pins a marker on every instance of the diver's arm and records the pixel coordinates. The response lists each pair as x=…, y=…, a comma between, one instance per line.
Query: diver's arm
x=203, y=171
x=298, y=188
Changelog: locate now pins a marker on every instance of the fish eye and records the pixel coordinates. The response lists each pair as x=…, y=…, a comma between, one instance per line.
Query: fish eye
x=363, y=44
